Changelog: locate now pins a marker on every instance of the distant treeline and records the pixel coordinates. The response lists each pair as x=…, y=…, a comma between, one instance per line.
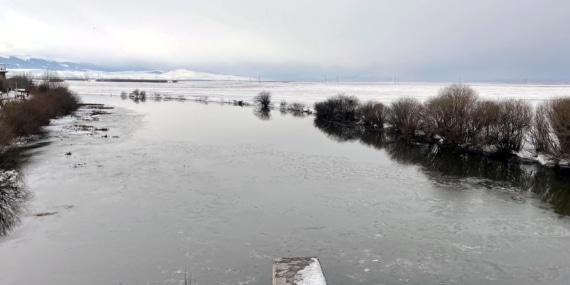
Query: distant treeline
x=457, y=119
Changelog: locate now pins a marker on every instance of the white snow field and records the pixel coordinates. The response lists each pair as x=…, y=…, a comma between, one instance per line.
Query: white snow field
x=309, y=93
x=177, y=74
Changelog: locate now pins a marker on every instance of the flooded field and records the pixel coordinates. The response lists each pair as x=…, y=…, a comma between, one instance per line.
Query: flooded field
x=215, y=191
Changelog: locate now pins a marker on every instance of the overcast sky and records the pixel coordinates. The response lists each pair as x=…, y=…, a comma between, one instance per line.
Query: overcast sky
x=439, y=40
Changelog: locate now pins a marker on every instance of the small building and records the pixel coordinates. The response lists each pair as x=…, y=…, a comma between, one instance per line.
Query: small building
x=3, y=71
x=3, y=82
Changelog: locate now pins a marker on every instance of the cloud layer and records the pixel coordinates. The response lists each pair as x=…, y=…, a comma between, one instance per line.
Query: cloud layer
x=302, y=40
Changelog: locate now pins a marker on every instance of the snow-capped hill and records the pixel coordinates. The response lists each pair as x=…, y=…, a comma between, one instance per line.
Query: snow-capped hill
x=88, y=71
x=23, y=62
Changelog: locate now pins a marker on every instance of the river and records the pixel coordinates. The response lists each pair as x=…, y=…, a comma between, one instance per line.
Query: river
x=213, y=190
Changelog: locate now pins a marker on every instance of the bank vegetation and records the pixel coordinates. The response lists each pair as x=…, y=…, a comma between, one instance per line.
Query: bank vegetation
x=48, y=99
x=458, y=120
x=31, y=107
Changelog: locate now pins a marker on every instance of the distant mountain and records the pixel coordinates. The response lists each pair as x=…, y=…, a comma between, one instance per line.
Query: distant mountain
x=14, y=62
x=88, y=71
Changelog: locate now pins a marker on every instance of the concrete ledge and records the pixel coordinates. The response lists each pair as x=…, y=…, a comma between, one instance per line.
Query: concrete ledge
x=298, y=270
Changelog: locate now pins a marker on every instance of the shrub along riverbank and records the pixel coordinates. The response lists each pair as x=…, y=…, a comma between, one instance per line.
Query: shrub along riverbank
x=22, y=117
x=456, y=119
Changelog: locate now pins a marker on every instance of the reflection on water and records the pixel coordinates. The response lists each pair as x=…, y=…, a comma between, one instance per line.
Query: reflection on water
x=13, y=194
x=263, y=114
x=294, y=113
x=442, y=167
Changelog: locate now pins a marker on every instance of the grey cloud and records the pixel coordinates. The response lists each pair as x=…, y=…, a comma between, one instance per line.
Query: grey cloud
x=292, y=40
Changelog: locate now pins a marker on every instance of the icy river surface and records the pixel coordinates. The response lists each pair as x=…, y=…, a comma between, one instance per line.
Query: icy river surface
x=217, y=192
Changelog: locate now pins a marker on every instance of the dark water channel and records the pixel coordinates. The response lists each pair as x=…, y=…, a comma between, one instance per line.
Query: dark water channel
x=220, y=191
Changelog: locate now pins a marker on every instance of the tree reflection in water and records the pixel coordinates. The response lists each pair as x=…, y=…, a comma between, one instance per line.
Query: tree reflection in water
x=13, y=194
x=263, y=114
x=446, y=167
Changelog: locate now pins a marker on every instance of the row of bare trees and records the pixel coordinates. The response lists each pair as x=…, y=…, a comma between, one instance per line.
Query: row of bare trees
x=457, y=118
x=25, y=81
x=18, y=81
x=462, y=120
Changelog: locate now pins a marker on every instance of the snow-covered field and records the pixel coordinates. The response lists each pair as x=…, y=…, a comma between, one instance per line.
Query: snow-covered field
x=177, y=74
x=309, y=93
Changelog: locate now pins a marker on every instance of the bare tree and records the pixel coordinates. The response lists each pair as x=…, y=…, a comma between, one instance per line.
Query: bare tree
x=514, y=123
x=559, y=117
x=21, y=81
x=51, y=80
x=342, y=108
x=372, y=113
x=541, y=133
x=404, y=115
x=263, y=99
x=450, y=114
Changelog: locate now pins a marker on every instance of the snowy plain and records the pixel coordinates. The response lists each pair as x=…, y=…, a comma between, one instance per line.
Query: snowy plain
x=172, y=75
x=309, y=93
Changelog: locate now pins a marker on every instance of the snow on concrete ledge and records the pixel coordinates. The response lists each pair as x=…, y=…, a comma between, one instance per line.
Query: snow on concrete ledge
x=298, y=270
